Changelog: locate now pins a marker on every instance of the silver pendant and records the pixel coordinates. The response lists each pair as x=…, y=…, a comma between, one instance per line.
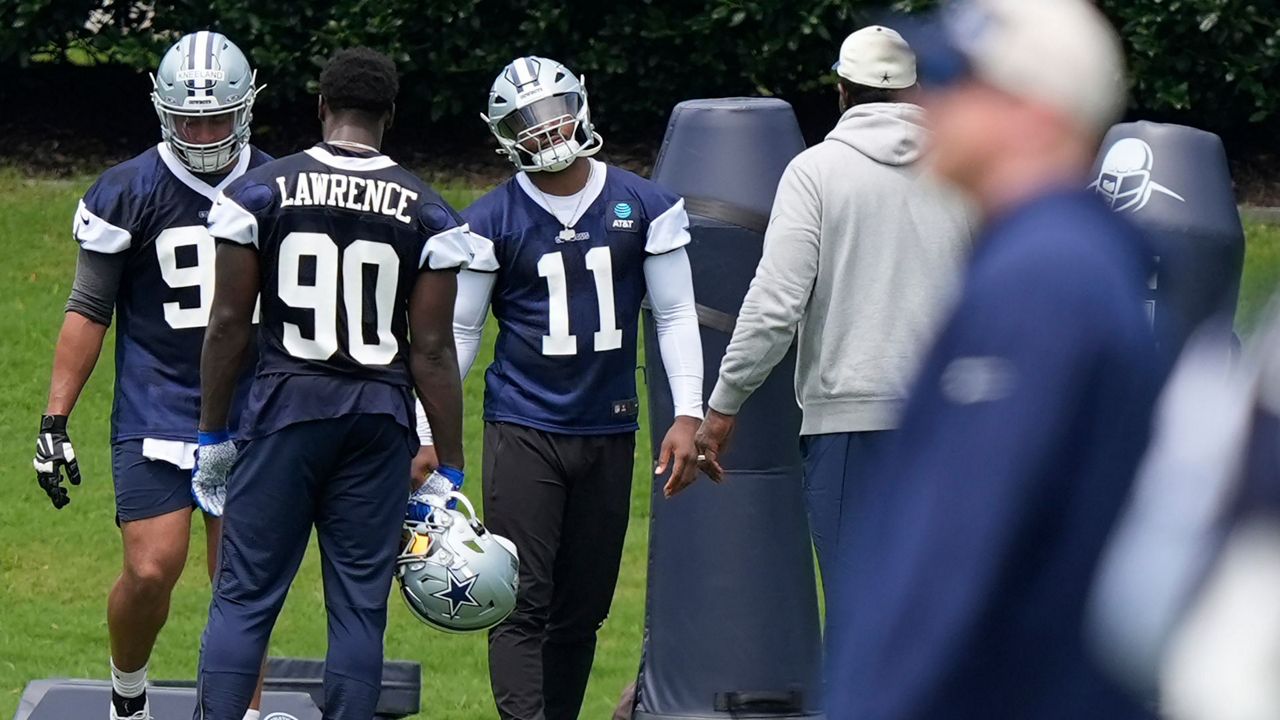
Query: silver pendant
x=567, y=235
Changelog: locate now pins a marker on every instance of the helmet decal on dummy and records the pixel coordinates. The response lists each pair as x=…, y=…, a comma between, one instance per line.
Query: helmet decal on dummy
x=1124, y=180
x=203, y=92
x=455, y=575
x=538, y=112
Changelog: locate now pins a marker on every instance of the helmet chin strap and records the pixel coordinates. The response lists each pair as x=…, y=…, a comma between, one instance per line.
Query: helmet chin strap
x=553, y=161
x=557, y=157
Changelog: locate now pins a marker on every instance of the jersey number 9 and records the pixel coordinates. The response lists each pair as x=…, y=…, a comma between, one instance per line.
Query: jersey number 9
x=199, y=275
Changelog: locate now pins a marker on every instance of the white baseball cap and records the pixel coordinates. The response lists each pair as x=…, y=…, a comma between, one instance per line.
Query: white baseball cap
x=1062, y=54
x=877, y=57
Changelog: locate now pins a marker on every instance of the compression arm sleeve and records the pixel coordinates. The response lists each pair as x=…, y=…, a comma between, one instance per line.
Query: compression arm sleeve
x=669, y=280
x=97, y=282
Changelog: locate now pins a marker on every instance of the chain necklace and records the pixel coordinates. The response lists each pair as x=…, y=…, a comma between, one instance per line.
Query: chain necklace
x=568, y=233
x=353, y=145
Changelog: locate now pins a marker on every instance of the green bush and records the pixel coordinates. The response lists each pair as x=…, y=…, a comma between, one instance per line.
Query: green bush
x=1213, y=63
x=1216, y=62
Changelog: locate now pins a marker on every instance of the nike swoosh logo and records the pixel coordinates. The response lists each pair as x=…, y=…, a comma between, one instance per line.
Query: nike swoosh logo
x=84, y=218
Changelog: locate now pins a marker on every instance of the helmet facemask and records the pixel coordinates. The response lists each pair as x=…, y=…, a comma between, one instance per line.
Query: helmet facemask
x=207, y=157
x=546, y=135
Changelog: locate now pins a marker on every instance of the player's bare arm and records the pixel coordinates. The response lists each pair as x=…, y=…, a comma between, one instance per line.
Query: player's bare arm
x=89, y=311
x=230, y=328
x=225, y=342
x=79, y=344
x=433, y=361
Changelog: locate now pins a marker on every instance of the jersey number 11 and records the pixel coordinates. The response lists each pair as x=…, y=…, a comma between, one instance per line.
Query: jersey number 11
x=559, y=341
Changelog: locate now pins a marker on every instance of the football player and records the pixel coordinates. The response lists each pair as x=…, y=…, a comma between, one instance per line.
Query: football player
x=566, y=250
x=146, y=257
x=353, y=255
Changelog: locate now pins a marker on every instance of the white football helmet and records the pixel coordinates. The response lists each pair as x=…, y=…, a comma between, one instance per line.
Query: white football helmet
x=538, y=112
x=203, y=75
x=454, y=574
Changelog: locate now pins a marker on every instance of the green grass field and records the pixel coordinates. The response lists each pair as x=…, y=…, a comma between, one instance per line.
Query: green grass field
x=56, y=567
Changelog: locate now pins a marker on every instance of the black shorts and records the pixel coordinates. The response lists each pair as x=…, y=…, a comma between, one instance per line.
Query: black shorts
x=147, y=488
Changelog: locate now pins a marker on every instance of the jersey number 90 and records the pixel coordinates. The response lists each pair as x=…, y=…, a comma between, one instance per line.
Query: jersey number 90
x=322, y=298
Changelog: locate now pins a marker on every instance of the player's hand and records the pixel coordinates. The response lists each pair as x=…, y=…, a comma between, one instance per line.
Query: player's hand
x=214, y=457
x=424, y=463
x=53, y=454
x=713, y=439
x=434, y=492
x=679, y=451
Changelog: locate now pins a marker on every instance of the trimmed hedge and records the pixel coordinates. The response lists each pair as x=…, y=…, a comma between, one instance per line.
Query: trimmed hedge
x=1213, y=63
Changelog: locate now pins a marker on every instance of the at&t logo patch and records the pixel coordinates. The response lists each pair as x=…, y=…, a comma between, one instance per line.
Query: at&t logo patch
x=622, y=217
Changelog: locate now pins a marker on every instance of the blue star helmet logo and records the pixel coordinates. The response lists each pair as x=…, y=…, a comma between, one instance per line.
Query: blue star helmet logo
x=458, y=594
x=622, y=210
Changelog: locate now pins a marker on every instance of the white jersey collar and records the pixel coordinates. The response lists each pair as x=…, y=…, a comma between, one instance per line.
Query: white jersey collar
x=181, y=172
x=350, y=164
x=595, y=186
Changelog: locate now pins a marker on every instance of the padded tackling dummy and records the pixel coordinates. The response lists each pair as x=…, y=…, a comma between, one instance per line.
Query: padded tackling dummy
x=401, y=683
x=67, y=699
x=731, y=622
x=1173, y=182
x=293, y=687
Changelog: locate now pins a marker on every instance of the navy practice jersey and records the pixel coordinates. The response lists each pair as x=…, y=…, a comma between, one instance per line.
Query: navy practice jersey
x=568, y=307
x=342, y=236
x=153, y=209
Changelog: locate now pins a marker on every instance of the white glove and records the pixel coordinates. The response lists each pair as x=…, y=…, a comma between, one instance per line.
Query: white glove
x=214, y=458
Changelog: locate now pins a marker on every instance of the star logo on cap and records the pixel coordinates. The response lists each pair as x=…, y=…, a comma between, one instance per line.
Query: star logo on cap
x=458, y=594
x=884, y=78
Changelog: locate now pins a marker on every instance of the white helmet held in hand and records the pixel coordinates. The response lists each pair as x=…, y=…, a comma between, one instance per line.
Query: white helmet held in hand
x=538, y=112
x=454, y=574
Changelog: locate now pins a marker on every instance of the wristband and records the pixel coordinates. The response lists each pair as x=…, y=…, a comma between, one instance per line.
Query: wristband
x=213, y=438
x=452, y=474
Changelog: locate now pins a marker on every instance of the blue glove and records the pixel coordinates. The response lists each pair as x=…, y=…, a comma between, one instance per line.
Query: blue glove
x=214, y=457
x=433, y=492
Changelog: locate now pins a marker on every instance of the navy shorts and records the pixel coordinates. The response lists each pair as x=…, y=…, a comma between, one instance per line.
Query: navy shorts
x=147, y=488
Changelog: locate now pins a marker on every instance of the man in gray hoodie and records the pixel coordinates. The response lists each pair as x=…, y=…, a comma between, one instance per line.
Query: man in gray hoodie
x=860, y=256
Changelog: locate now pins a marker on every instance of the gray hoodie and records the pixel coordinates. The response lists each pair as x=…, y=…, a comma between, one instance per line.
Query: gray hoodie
x=860, y=257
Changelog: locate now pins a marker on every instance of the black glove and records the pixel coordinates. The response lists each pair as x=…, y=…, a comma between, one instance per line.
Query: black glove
x=53, y=452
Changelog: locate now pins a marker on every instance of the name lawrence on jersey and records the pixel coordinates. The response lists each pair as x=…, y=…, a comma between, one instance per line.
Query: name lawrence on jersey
x=348, y=192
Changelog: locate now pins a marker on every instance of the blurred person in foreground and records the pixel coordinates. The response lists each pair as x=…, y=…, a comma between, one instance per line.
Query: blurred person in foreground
x=861, y=255
x=1185, y=609
x=963, y=593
